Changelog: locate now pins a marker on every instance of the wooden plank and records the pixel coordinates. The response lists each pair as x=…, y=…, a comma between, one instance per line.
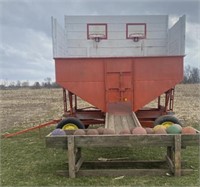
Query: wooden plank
x=110, y=122
x=118, y=123
x=114, y=27
x=170, y=163
x=158, y=140
x=136, y=121
x=116, y=43
x=117, y=173
x=124, y=121
x=114, y=52
x=56, y=142
x=130, y=121
x=71, y=157
x=79, y=164
x=124, y=164
x=78, y=153
x=80, y=43
x=106, y=121
x=122, y=172
x=161, y=19
x=177, y=155
x=117, y=35
x=170, y=152
x=124, y=140
x=190, y=140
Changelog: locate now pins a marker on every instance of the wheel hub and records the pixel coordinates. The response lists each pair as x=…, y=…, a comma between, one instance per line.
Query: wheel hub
x=167, y=124
x=69, y=126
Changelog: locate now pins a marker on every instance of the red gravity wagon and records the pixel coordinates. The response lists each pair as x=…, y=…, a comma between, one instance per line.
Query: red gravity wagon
x=118, y=64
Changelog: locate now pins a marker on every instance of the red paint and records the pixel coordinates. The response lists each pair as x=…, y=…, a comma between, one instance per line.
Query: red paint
x=30, y=129
x=135, y=80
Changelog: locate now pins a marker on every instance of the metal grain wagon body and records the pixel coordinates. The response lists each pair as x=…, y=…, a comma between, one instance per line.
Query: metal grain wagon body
x=118, y=64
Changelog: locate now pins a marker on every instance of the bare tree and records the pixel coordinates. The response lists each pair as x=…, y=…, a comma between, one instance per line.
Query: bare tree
x=195, y=75
x=191, y=75
x=2, y=86
x=18, y=84
x=36, y=85
x=55, y=85
x=47, y=82
x=12, y=85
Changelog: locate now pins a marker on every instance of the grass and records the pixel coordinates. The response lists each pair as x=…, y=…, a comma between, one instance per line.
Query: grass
x=26, y=162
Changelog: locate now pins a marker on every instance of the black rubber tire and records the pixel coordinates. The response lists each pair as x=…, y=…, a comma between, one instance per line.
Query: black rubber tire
x=166, y=118
x=72, y=120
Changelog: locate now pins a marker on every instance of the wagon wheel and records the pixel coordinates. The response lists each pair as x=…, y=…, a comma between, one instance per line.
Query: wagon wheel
x=70, y=124
x=166, y=121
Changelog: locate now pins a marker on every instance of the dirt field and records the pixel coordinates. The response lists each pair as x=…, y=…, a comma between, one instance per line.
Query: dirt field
x=29, y=107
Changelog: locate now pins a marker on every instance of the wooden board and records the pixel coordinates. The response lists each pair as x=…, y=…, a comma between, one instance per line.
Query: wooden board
x=117, y=122
x=74, y=144
x=123, y=172
x=72, y=40
x=122, y=140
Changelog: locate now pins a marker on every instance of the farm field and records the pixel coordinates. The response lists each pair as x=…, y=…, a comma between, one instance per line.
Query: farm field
x=26, y=162
x=29, y=107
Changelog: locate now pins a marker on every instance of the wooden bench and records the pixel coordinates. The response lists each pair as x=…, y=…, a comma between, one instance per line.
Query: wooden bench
x=73, y=144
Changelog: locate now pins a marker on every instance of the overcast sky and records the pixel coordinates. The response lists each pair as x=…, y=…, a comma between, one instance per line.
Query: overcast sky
x=25, y=30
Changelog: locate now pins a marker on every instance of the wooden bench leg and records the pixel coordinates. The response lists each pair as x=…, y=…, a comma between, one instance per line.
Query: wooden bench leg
x=169, y=158
x=177, y=155
x=71, y=157
x=79, y=160
x=170, y=152
x=78, y=154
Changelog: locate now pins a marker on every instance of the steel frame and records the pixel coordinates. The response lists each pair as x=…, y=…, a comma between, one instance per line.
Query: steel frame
x=31, y=128
x=92, y=115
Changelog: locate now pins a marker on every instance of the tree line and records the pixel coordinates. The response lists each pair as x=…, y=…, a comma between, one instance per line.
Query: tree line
x=191, y=76
x=47, y=83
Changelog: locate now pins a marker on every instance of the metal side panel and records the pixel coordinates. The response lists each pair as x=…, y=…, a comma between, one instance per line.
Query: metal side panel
x=59, y=39
x=176, y=38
